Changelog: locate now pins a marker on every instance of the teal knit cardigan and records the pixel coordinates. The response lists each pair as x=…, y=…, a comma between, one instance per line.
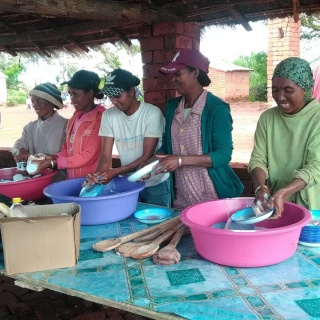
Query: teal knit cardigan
x=216, y=136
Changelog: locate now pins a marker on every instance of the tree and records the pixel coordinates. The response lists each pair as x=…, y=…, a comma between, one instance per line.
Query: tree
x=258, y=77
x=310, y=26
x=12, y=67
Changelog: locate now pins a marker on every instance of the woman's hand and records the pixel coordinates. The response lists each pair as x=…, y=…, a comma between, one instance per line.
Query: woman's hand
x=23, y=155
x=167, y=163
x=97, y=177
x=279, y=199
x=42, y=166
x=263, y=201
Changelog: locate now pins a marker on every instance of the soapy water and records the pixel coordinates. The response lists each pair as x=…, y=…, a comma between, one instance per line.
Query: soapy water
x=19, y=177
x=231, y=225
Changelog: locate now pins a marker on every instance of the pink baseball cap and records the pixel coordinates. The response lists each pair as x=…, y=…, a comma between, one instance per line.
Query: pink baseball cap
x=187, y=57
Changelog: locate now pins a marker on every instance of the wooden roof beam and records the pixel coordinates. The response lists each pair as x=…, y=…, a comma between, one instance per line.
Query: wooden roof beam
x=41, y=48
x=9, y=50
x=63, y=32
x=236, y=14
x=112, y=11
x=296, y=10
x=78, y=44
x=122, y=36
x=3, y=23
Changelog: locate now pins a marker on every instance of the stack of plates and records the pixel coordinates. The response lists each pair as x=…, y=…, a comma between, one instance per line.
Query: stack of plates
x=310, y=234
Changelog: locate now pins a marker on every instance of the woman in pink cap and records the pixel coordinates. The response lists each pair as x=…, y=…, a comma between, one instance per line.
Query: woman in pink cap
x=197, y=143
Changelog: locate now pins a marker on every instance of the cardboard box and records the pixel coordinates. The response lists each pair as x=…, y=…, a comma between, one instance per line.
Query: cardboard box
x=46, y=241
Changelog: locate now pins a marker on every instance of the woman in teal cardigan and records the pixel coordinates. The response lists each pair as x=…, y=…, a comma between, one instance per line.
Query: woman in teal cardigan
x=197, y=142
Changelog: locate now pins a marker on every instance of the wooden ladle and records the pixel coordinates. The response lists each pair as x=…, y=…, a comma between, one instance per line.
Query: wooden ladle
x=148, y=250
x=110, y=244
x=125, y=249
x=169, y=254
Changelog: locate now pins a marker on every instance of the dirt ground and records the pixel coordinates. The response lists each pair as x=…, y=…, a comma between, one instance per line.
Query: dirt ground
x=245, y=117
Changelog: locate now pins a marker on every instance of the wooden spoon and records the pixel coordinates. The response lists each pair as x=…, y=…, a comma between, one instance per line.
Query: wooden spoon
x=169, y=254
x=110, y=244
x=125, y=249
x=148, y=250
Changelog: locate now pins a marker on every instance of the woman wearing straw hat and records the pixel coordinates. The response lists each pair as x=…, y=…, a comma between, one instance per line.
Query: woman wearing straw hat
x=46, y=134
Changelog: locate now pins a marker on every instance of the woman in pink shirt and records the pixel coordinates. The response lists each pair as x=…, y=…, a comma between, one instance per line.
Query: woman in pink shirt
x=80, y=154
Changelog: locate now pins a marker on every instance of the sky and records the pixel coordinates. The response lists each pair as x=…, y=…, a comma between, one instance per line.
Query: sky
x=225, y=44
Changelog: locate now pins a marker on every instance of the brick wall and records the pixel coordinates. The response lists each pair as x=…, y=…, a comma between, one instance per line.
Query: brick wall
x=7, y=161
x=284, y=42
x=159, y=44
x=231, y=86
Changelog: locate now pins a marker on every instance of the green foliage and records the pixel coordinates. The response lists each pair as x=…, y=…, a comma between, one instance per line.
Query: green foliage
x=15, y=97
x=12, y=67
x=258, y=77
x=310, y=26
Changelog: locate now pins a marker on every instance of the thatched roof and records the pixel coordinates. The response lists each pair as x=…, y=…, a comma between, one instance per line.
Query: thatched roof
x=45, y=26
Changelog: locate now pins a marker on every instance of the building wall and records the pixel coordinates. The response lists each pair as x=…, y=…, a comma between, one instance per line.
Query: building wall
x=231, y=86
x=218, y=82
x=284, y=42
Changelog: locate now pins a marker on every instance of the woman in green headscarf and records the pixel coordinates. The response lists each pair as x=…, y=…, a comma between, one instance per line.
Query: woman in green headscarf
x=285, y=161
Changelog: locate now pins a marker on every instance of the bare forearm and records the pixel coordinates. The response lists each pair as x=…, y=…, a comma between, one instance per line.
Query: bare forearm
x=196, y=161
x=258, y=177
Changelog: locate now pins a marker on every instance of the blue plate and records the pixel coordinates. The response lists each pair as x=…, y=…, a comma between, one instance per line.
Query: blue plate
x=91, y=191
x=153, y=215
x=247, y=216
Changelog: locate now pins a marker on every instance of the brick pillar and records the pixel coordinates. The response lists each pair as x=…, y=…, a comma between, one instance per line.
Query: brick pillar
x=159, y=44
x=284, y=42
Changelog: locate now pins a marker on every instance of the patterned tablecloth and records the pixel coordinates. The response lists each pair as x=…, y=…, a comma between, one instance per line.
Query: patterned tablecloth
x=193, y=289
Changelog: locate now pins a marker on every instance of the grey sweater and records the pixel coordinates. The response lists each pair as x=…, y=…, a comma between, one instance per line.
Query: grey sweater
x=42, y=136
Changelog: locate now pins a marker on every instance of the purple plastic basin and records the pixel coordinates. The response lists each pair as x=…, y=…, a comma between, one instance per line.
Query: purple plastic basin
x=100, y=209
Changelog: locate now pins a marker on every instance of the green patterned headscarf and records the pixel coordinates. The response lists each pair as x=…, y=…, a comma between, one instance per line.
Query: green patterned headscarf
x=297, y=70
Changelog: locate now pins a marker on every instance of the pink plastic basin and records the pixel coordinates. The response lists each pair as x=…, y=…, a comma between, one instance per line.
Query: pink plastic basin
x=255, y=248
x=29, y=190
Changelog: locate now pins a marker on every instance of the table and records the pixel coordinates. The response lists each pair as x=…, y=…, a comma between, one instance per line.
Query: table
x=193, y=289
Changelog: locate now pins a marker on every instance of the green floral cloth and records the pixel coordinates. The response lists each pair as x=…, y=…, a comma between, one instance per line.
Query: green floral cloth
x=296, y=70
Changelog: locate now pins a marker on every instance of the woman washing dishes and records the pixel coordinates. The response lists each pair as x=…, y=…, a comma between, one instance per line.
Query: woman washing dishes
x=47, y=133
x=285, y=161
x=197, y=142
x=80, y=154
x=136, y=129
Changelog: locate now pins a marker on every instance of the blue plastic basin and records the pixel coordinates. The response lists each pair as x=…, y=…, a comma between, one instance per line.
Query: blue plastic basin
x=101, y=209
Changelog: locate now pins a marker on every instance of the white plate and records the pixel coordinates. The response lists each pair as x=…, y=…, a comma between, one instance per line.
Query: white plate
x=247, y=216
x=310, y=244
x=142, y=172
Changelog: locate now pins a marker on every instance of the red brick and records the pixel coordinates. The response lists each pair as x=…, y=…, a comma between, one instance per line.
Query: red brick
x=4, y=311
x=151, y=71
x=191, y=29
x=164, y=28
x=131, y=316
x=145, y=31
x=164, y=83
x=155, y=97
x=164, y=56
x=20, y=308
x=67, y=312
x=98, y=315
x=177, y=41
x=146, y=56
x=154, y=43
x=148, y=84
x=113, y=314
x=7, y=298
